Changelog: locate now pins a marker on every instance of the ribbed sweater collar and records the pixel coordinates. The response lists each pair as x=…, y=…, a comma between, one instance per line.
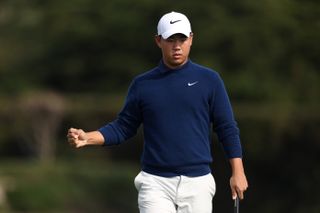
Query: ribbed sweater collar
x=164, y=68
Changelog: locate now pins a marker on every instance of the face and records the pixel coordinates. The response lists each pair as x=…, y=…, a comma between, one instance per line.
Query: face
x=175, y=49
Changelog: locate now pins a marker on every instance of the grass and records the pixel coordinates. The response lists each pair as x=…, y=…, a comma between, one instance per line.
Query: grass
x=75, y=186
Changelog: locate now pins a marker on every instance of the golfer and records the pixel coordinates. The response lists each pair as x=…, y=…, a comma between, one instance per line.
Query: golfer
x=178, y=102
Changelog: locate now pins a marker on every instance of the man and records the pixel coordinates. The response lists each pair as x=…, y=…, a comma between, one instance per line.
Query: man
x=177, y=102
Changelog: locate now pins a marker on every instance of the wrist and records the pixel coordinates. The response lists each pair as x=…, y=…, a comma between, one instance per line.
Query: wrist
x=236, y=166
x=94, y=138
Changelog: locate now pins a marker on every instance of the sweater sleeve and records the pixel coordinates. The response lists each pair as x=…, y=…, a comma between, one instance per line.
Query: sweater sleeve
x=127, y=122
x=223, y=121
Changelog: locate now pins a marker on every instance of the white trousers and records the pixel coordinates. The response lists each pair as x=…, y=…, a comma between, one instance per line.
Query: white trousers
x=179, y=194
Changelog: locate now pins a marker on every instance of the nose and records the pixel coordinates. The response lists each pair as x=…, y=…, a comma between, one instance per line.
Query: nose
x=177, y=44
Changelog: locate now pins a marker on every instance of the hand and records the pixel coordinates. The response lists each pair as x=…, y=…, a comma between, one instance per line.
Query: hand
x=77, y=137
x=238, y=184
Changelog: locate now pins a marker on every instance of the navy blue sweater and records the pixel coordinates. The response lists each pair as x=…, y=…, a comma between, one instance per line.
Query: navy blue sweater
x=177, y=108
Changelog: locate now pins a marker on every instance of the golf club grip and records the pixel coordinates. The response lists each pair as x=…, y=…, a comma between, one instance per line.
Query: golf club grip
x=236, y=205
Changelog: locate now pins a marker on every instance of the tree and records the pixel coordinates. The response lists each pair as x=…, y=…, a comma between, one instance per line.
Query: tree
x=42, y=114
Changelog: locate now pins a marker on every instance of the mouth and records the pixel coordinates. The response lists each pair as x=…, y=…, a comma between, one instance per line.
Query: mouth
x=177, y=55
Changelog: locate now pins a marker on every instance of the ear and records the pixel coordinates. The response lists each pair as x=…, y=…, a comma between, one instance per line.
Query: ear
x=158, y=40
x=191, y=38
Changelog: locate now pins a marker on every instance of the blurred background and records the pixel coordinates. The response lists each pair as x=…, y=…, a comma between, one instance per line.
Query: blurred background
x=69, y=63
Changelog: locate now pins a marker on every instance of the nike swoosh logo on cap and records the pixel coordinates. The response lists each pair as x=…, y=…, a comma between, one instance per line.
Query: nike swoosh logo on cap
x=193, y=83
x=172, y=22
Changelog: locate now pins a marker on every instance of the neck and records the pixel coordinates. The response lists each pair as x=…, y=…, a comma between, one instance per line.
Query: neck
x=175, y=66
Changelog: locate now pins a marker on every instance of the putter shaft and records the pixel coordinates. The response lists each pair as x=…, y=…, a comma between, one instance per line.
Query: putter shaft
x=236, y=205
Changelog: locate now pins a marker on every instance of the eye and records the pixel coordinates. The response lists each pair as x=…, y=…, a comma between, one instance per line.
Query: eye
x=183, y=39
x=171, y=40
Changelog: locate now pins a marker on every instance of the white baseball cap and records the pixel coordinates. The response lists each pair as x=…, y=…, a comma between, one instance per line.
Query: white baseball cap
x=173, y=23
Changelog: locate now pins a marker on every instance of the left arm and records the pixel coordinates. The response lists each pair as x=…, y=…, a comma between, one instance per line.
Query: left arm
x=228, y=134
x=238, y=180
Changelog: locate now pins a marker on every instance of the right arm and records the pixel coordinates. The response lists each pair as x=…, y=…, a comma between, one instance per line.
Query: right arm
x=79, y=138
x=121, y=129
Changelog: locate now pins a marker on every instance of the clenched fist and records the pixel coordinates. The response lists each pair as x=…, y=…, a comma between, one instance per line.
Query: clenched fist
x=77, y=137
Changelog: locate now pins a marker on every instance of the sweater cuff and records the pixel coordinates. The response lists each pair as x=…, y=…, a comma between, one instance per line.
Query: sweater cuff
x=110, y=138
x=232, y=147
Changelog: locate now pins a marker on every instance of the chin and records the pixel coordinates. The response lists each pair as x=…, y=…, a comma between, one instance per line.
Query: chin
x=177, y=62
